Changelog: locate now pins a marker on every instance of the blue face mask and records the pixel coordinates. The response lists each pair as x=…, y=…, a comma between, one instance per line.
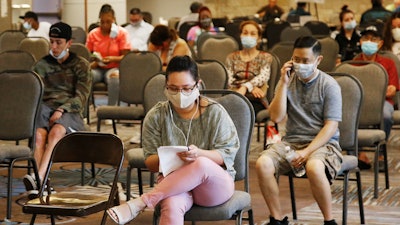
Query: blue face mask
x=350, y=25
x=369, y=47
x=62, y=54
x=27, y=25
x=248, y=42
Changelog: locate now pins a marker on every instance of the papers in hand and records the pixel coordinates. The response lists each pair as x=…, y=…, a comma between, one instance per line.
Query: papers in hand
x=169, y=160
x=98, y=58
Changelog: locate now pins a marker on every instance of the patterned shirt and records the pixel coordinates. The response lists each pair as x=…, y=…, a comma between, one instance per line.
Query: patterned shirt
x=260, y=66
x=66, y=85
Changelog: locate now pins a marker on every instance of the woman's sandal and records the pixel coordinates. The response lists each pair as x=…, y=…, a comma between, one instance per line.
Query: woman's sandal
x=119, y=214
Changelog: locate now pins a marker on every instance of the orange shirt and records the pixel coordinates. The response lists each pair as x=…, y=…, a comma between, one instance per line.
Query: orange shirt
x=106, y=46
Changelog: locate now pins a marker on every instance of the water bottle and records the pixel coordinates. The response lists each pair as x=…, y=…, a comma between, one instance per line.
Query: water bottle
x=290, y=155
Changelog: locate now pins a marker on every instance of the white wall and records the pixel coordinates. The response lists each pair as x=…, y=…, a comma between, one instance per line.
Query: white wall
x=74, y=11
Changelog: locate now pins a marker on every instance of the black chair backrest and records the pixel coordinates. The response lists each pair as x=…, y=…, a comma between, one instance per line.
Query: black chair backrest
x=318, y=28
x=184, y=29
x=291, y=34
x=283, y=50
x=330, y=51
x=273, y=30
x=233, y=29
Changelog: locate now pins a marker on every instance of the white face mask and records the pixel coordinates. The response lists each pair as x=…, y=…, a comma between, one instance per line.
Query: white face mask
x=27, y=25
x=396, y=34
x=350, y=25
x=182, y=101
x=62, y=54
x=303, y=71
x=114, y=30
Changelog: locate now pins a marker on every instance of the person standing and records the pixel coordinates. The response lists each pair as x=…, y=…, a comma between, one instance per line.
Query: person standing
x=138, y=30
x=193, y=16
x=67, y=84
x=270, y=11
x=312, y=102
x=34, y=27
x=377, y=12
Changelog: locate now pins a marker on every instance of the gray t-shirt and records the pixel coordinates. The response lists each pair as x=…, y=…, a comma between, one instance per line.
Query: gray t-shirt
x=213, y=130
x=309, y=105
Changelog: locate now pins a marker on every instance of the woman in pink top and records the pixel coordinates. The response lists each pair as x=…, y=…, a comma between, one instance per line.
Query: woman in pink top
x=109, y=44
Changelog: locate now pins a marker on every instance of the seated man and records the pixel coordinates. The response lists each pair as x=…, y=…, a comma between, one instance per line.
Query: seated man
x=371, y=41
x=312, y=101
x=67, y=84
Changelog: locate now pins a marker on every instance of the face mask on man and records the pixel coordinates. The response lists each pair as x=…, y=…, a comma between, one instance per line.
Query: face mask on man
x=369, y=47
x=135, y=24
x=248, y=42
x=303, y=71
x=350, y=25
x=396, y=34
x=62, y=54
x=114, y=30
x=181, y=100
x=27, y=25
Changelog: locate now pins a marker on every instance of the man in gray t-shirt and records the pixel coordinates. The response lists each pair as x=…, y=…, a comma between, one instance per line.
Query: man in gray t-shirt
x=312, y=102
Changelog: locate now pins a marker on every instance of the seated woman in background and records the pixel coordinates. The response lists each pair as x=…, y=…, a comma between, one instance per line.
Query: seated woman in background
x=249, y=69
x=109, y=44
x=205, y=25
x=348, y=37
x=166, y=44
x=186, y=119
x=392, y=35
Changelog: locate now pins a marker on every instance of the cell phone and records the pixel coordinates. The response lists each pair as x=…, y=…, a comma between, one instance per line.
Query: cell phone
x=289, y=71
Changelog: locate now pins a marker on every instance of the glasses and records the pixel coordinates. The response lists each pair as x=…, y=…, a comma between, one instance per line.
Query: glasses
x=175, y=90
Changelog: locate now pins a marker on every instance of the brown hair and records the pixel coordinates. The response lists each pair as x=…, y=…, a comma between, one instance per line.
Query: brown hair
x=252, y=22
x=162, y=33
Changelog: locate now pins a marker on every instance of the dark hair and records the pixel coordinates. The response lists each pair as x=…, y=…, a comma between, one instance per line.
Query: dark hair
x=376, y=3
x=344, y=11
x=387, y=33
x=252, y=22
x=162, y=33
x=106, y=8
x=301, y=4
x=135, y=11
x=195, y=6
x=308, y=42
x=183, y=63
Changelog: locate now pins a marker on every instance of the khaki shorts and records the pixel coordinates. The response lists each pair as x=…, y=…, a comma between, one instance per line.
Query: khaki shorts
x=329, y=154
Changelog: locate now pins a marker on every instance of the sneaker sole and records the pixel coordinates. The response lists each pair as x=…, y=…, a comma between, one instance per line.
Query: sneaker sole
x=30, y=183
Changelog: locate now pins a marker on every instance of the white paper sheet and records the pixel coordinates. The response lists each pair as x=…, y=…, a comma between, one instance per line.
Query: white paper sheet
x=169, y=160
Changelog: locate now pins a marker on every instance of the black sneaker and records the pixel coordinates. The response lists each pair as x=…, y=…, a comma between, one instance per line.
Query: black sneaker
x=330, y=222
x=30, y=182
x=273, y=221
x=32, y=194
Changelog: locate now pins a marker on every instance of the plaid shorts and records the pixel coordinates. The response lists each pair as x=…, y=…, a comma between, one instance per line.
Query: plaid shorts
x=70, y=121
x=329, y=154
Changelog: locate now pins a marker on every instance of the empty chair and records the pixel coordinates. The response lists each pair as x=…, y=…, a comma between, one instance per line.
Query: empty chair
x=9, y=40
x=135, y=69
x=80, y=147
x=20, y=96
x=291, y=34
x=318, y=28
x=16, y=60
x=273, y=31
x=37, y=46
x=233, y=29
x=216, y=47
x=371, y=136
x=81, y=50
x=283, y=50
x=78, y=35
x=330, y=51
x=213, y=74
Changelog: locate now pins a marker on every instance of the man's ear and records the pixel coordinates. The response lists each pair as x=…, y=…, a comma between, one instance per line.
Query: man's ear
x=319, y=59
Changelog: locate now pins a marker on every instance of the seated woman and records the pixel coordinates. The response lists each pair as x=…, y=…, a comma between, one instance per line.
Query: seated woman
x=249, y=69
x=186, y=119
x=392, y=35
x=205, y=25
x=348, y=37
x=110, y=44
x=166, y=44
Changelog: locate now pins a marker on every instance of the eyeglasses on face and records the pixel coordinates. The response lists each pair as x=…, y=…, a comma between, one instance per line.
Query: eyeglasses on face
x=173, y=90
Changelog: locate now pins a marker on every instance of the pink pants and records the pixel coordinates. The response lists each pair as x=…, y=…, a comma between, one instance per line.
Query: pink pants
x=202, y=182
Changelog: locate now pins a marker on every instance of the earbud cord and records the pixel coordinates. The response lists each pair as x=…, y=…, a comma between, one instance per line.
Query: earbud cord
x=190, y=124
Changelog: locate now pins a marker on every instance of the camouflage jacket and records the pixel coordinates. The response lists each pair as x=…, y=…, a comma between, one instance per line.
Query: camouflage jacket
x=66, y=85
